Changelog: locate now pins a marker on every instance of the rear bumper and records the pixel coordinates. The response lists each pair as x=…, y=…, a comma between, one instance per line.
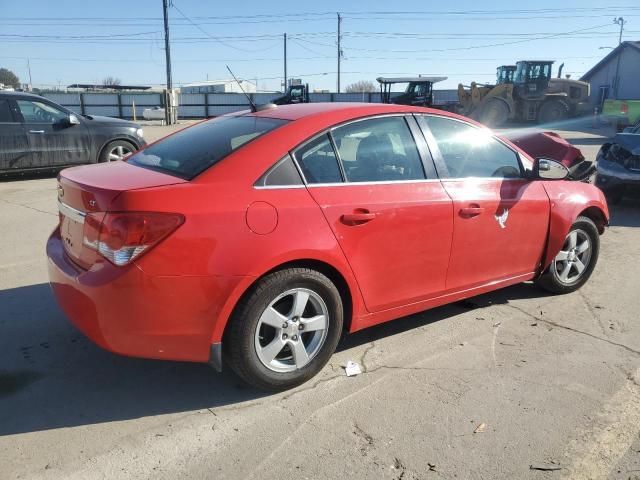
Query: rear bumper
x=126, y=311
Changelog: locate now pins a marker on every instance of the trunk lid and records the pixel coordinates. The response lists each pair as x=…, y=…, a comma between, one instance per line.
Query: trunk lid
x=92, y=188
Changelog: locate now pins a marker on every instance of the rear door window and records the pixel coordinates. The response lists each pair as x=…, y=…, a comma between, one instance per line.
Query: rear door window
x=191, y=151
x=378, y=150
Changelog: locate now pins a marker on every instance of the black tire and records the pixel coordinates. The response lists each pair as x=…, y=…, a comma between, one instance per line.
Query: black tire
x=552, y=111
x=551, y=280
x=118, y=146
x=239, y=344
x=495, y=113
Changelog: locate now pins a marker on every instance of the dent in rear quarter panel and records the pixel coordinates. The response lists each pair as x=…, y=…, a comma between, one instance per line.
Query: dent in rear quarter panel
x=215, y=240
x=568, y=200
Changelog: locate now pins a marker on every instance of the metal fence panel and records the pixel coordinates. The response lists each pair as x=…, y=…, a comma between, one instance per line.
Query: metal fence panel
x=108, y=111
x=228, y=99
x=191, y=99
x=222, y=109
x=319, y=97
x=443, y=97
x=63, y=98
x=100, y=98
x=350, y=97
x=192, y=111
x=147, y=99
x=261, y=98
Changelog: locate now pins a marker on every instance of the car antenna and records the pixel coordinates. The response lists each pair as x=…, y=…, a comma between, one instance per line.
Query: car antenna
x=254, y=108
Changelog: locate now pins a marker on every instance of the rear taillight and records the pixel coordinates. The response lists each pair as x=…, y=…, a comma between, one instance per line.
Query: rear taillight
x=624, y=108
x=121, y=237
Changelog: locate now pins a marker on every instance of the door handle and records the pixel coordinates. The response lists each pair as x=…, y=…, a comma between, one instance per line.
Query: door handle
x=471, y=211
x=36, y=131
x=358, y=217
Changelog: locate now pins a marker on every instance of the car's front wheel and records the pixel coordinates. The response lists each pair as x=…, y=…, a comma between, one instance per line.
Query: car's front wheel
x=285, y=329
x=116, y=150
x=574, y=263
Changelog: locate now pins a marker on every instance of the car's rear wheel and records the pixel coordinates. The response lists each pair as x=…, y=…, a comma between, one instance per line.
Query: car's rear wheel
x=285, y=329
x=116, y=150
x=574, y=263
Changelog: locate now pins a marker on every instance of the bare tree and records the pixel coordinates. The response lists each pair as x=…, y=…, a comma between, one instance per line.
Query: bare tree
x=111, y=81
x=361, y=86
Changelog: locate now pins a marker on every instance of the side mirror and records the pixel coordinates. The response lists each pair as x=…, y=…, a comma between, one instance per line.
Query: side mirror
x=547, y=169
x=73, y=119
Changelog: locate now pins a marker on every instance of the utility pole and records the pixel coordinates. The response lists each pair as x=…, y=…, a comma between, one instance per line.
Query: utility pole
x=285, y=64
x=620, y=21
x=29, y=68
x=616, y=80
x=168, y=107
x=339, y=49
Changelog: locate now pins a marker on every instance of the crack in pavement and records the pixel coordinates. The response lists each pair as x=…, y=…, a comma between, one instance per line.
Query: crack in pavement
x=30, y=208
x=592, y=311
x=571, y=329
x=364, y=354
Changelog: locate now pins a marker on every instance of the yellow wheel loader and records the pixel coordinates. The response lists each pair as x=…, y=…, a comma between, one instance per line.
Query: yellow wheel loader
x=525, y=92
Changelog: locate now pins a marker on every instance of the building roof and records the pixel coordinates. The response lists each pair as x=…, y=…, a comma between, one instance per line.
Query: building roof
x=612, y=54
x=410, y=79
x=108, y=87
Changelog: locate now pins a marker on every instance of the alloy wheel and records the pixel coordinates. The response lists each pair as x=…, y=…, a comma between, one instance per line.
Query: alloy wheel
x=291, y=330
x=572, y=261
x=118, y=153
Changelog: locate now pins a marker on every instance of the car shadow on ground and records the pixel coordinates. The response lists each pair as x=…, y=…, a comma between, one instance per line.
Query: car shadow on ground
x=53, y=377
x=626, y=214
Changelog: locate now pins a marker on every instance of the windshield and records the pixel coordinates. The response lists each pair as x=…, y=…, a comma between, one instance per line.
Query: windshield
x=193, y=150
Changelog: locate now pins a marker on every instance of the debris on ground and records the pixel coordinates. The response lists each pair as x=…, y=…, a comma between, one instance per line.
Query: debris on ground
x=352, y=369
x=480, y=428
x=534, y=324
x=497, y=324
x=545, y=467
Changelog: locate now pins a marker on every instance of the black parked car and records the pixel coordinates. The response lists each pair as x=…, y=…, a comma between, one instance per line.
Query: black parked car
x=618, y=165
x=37, y=134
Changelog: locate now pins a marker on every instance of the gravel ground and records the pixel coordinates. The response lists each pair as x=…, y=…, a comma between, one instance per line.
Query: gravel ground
x=544, y=381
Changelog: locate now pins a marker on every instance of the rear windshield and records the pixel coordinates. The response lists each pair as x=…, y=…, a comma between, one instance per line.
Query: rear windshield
x=193, y=150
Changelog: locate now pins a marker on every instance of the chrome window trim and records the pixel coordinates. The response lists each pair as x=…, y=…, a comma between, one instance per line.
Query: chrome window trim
x=70, y=212
x=276, y=187
x=501, y=179
x=382, y=182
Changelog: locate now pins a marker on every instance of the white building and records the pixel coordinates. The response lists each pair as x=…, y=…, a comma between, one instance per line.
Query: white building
x=219, y=86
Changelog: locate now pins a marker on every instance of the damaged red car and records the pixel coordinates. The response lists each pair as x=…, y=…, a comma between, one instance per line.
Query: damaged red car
x=253, y=240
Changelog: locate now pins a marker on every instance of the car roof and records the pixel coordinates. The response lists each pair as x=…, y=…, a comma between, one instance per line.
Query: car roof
x=11, y=93
x=341, y=109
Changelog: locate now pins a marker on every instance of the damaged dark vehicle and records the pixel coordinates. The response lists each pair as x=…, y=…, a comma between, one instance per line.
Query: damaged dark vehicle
x=618, y=165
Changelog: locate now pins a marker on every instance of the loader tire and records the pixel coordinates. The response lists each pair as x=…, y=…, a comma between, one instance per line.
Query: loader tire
x=495, y=113
x=553, y=111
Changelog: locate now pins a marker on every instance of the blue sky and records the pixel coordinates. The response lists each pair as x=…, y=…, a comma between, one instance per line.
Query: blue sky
x=74, y=41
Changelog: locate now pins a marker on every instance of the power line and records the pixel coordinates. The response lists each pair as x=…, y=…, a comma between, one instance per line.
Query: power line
x=207, y=33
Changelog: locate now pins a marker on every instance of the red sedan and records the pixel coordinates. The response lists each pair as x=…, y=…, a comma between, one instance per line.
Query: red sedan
x=258, y=237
